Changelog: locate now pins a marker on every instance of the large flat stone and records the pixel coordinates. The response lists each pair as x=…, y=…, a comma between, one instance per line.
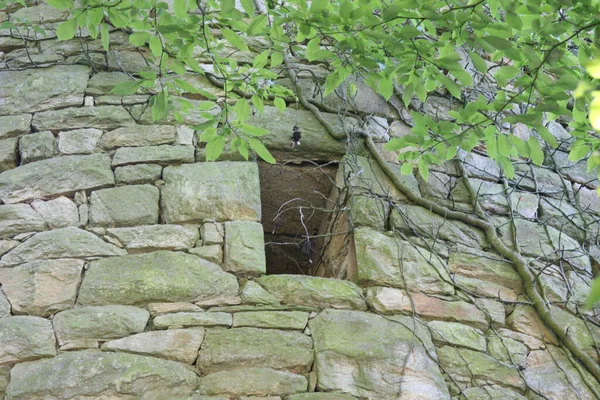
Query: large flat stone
x=225, y=349
x=156, y=237
x=245, y=248
x=163, y=155
x=252, y=382
x=8, y=154
x=60, y=243
x=58, y=213
x=99, y=323
x=42, y=287
x=387, y=261
x=173, y=344
x=5, y=307
x=25, y=338
x=271, y=319
x=38, y=89
x=19, y=218
x=224, y=191
x=100, y=117
x=101, y=375
x=369, y=356
x=124, y=206
x=79, y=141
x=138, y=135
x=14, y=125
x=313, y=291
x=56, y=176
x=190, y=319
x=161, y=276
x=37, y=146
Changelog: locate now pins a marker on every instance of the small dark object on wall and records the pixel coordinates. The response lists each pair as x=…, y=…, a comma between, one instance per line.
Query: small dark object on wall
x=296, y=135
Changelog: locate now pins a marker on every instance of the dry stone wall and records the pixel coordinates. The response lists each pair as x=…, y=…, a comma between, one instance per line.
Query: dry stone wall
x=131, y=269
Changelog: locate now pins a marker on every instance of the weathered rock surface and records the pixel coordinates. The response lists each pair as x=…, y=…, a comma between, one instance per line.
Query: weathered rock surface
x=313, y=291
x=383, y=260
x=79, y=141
x=42, y=89
x=101, y=375
x=58, y=213
x=245, y=248
x=189, y=319
x=60, y=243
x=19, y=218
x=5, y=307
x=212, y=253
x=490, y=392
x=361, y=354
x=174, y=344
x=156, y=237
x=125, y=206
x=225, y=349
x=271, y=319
x=37, y=146
x=138, y=135
x=99, y=323
x=14, y=125
x=457, y=335
x=56, y=176
x=138, y=174
x=223, y=191
x=8, y=154
x=24, y=338
x=163, y=155
x=42, y=287
x=154, y=277
x=252, y=382
x=101, y=117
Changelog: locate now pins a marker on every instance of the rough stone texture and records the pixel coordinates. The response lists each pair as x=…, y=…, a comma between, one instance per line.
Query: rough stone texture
x=101, y=117
x=188, y=319
x=165, y=308
x=25, y=338
x=14, y=125
x=156, y=237
x=42, y=89
x=19, y=218
x=55, y=177
x=212, y=253
x=253, y=382
x=58, y=213
x=175, y=344
x=507, y=350
x=159, y=276
x=36, y=147
x=60, y=243
x=100, y=375
x=138, y=135
x=103, y=82
x=271, y=319
x=225, y=349
x=313, y=292
x=457, y=335
x=383, y=260
x=5, y=307
x=360, y=354
x=42, y=287
x=7, y=245
x=253, y=293
x=163, y=155
x=78, y=141
x=245, y=248
x=8, y=154
x=320, y=396
x=125, y=206
x=99, y=323
x=223, y=191
x=525, y=320
x=138, y=174
x=212, y=233
x=490, y=392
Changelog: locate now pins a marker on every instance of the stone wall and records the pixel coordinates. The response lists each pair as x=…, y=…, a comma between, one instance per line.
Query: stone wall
x=131, y=269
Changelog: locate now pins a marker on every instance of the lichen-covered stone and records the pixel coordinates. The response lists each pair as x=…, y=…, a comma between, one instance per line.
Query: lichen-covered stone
x=212, y=253
x=124, y=206
x=252, y=382
x=8, y=154
x=490, y=392
x=36, y=89
x=474, y=263
x=101, y=117
x=60, y=243
x=19, y=218
x=507, y=350
x=7, y=245
x=5, y=307
x=56, y=176
x=165, y=308
x=174, y=344
x=254, y=294
x=79, y=141
x=163, y=155
x=58, y=213
x=189, y=319
x=223, y=191
x=99, y=323
x=14, y=125
x=101, y=375
x=159, y=276
x=382, y=260
x=271, y=319
x=138, y=135
x=103, y=82
x=370, y=212
x=524, y=319
x=245, y=248
x=138, y=174
x=320, y=396
x=225, y=349
x=313, y=291
x=4, y=378
x=156, y=237
x=36, y=147
x=457, y=335
x=42, y=287
x=361, y=354
x=25, y=338
x=212, y=233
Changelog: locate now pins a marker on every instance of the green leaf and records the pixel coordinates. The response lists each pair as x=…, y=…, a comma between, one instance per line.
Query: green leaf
x=234, y=39
x=214, y=148
x=279, y=103
x=254, y=130
x=535, y=151
x=406, y=168
x=452, y=87
x=386, y=88
x=60, y=4
x=155, y=46
x=276, y=58
x=258, y=103
x=126, y=88
x=248, y=6
x=478, y=62
x=66, y=30
x=317, y=6
x=579, y=152
x=497, y=42
x=257, y=25
x=509, y=169
x=139, y=38
x=105, y=35
x=160, y=106
x=594, y=295
x=261, y=150
x=312, y=48
x=520, y=145
x=504, y=146
x=424, y=169
x=180, y=8
x=261, y=59
x=547, y=136
x=242, y=109
x=242, y=148
x=206, y=105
